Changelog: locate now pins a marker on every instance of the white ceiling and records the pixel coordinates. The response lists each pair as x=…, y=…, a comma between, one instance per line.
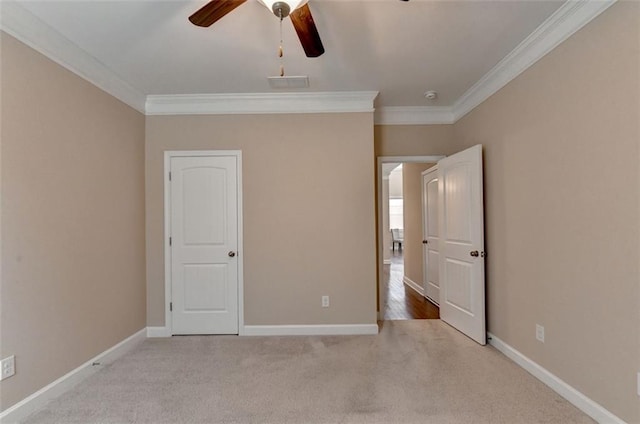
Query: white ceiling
x=147, y=54
x=400, y=49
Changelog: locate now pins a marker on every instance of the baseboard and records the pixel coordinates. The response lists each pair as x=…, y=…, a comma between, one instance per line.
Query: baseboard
x=287, y=330
x=27, y=406
x=433, y=301
x=579, y=400
x=309, y=330
x=153, y=332
x=415, y=286
x=387, y=262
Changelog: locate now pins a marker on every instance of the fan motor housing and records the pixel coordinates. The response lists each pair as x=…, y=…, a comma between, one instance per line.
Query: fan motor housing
x=281, y=9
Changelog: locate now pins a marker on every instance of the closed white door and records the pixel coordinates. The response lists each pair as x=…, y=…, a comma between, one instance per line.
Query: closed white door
x=461, y=217
x=430, y=239
x=204, y=242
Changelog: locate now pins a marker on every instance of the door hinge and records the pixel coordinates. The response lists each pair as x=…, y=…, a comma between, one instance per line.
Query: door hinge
x=170, y=241
x=170, y=306
x=169, y=175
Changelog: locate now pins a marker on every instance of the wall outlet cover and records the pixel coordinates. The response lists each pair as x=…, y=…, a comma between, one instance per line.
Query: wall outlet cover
x=325, y=301
x=7, y=367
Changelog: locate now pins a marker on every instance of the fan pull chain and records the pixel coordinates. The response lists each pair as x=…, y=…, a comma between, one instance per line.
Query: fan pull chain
x=281, y=50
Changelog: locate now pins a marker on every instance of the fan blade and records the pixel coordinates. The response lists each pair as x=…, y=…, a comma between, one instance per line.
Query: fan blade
x=307, y=31
x=212, y=11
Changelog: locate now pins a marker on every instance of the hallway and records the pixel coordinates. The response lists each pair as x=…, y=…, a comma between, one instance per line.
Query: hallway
x=403, y=302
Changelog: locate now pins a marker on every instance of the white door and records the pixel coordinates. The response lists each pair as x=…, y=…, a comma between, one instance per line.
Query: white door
x=462, y=303
x=430, y=239
x=204, y=242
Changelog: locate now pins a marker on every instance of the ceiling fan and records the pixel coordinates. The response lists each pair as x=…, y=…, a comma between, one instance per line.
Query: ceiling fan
x=297, y=10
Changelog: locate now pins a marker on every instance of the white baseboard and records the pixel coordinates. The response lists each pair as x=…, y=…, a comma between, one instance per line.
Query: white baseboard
x=579, y=400
x=27, y=406
x=153, y=332
x=433, y=301
x=309, y=330
x=286, y=330
x=415, y=286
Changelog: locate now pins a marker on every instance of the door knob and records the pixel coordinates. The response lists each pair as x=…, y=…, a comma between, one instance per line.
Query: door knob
x=232, y=254
x=425, y=241
x=475, y=253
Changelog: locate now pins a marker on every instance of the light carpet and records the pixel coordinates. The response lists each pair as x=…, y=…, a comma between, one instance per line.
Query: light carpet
x=419, y=371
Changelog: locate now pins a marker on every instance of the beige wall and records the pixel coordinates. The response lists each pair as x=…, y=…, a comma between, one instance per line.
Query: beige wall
x=308, y=191
x=73, y=281
x=413, y=140
x=561, y=148
x=412, y=248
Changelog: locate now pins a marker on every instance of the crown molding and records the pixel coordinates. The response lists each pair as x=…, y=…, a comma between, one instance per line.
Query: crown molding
x=416, y=115
x=261, y=103
x=564, y=22
x=32, y=31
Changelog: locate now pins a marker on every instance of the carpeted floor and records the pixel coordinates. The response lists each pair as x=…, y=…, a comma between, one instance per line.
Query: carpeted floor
x=412, y=372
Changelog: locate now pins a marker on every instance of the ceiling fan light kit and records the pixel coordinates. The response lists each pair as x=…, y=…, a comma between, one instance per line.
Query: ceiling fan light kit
x=283, y=6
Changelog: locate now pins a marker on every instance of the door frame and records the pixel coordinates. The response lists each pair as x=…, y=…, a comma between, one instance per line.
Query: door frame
x=380, y=250
x=168, y=154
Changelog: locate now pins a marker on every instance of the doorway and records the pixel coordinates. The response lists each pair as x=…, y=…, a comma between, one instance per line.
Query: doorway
x=401, y=295
x=460, y=234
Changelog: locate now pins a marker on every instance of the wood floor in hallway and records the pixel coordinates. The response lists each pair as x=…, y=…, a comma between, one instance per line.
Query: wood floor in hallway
x=402, y=301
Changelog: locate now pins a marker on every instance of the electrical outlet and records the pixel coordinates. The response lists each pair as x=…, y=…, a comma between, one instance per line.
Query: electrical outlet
x=7, y=367
x=325, y=301
x=540, y=333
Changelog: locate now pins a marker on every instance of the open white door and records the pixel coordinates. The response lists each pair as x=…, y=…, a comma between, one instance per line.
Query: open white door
x=204, y=244
x=461, y=225
x=430, y=238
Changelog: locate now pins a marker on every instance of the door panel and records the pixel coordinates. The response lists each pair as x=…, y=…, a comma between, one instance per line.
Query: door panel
x=433, y=273
x=430, y=249
x=462, y=289
x=204, y=205
x=432, y=203
x=458, y=293
x=205, y=287
x=457, y=198
x=204, y=230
